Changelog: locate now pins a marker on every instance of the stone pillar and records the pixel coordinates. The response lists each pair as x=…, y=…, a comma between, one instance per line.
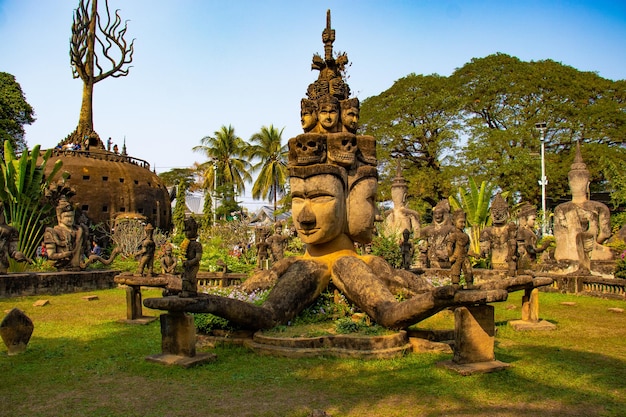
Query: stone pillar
x=530, y=313
x=474, y=334
x=134, y=308
x=178, y=342
x=178, y=334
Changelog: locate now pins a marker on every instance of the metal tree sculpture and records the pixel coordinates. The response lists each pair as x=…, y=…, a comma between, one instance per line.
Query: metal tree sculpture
x=87, y=33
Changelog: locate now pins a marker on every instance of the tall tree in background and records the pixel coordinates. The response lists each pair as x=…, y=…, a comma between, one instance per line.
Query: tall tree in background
x=227, y=157
x=15, y=112
x=502, y=100
x=89, y=33
x=266, y=146
x=415, y=120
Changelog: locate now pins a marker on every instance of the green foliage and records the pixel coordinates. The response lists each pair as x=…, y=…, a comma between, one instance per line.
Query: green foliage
x=328, y=306
x=475, y=203
x=620, y=265
x=226, y=153
x=416, y=120
x=387, y=247
x=178, y=176
x=493, y=104
x=206, y=323
x=614, y=171
x=15, y=113
x=178, y=215
x=618, y=220
x=22, y=190
x=272, y=155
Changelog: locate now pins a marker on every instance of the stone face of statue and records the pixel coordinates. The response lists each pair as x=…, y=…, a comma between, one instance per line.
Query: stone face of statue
x=308, y=119
x=362, y=210
x=66, y=219
x=398, y=196
x=318, y=208
x=350, y=119
x=328, y=116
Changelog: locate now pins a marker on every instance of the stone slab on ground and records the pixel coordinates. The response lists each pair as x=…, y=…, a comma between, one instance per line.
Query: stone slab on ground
x=41, y=303
x=140, y=320
x=182, y=361
x=525, y=325
x=90, y=298
x=467, y=369
x=616, y=310
x=424, y=346
x=568, y=303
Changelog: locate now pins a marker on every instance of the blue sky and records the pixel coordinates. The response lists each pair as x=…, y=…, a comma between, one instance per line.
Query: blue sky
x=201, y=64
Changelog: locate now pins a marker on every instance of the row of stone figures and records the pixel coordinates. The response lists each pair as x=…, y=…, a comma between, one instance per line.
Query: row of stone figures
x=580, y=229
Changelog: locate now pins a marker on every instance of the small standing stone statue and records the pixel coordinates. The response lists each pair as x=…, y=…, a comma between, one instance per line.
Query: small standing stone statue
x=261, y=235
x=407, y=249
x=191, y=264
x=527, y=239
x=8, y=245
x=168, y=261
x=146, y=253
x=458, y=247
x=276, y=243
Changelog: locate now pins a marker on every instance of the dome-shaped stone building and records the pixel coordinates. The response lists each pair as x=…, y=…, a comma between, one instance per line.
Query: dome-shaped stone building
x=108, y=184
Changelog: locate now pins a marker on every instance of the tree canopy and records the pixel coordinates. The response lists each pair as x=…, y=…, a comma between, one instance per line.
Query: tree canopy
x=481, y=121
x=15, y=113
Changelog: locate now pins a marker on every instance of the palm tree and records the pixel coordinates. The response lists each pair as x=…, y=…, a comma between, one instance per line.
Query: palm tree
x=227, y=157
x=266, y=145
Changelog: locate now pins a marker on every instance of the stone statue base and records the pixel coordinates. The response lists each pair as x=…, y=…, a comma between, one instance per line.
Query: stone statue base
x=178, y=342
x=530, y=314
x=474, y=336
x=134, y=306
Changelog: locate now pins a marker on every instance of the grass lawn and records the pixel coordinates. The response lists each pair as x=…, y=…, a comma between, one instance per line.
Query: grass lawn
x=81, y=362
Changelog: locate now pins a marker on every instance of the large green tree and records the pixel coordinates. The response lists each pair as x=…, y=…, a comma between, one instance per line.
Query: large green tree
x=415, y=120
x=15, y=113
x=503, y=98
x=227, y=168
x=272, y=166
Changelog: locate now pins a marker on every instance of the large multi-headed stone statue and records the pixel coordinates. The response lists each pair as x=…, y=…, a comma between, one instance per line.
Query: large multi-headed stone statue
x=581, y=225
x=333, y=179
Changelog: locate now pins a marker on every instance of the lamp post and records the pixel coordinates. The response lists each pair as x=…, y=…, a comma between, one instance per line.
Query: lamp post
x=214, y=192
x=543, y=181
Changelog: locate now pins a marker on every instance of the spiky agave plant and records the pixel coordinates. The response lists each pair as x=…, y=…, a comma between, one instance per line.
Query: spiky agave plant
x=22, y=187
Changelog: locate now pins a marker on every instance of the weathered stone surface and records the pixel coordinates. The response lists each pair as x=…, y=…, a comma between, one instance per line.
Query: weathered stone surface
x=90, y=298
x=41, y=303
x=422, y=345
x=581, y=226
x=16, y=329
x=524, y=325
x=616, y=310
x=138, y=280
x=178, y=334
x=467, y=369
x=342, y=346
x=568, y=303
x=182, y=361
x=474, y=334
x=14, y=285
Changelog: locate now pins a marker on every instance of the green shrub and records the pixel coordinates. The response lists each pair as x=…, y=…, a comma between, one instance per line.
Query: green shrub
x=387, y=247
x=206, y=322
